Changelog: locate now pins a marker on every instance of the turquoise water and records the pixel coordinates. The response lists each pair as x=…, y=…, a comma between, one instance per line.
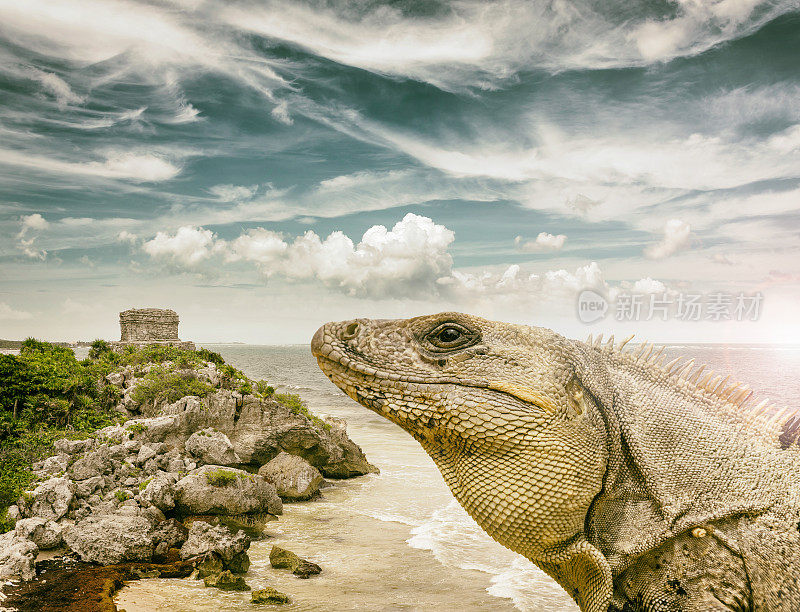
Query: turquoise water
x=398, y=541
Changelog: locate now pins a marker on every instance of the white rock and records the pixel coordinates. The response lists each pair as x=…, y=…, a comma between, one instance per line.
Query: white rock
x=212, y=447
x=111, y=539
x=17, y=556
x=293, y=477
x=51, y=499
x=45, y=534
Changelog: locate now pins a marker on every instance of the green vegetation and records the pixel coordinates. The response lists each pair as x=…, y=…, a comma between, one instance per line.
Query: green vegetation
x=121, y=496
x=162, y=385
x=294, y=403
x=264, y=389
x=47, y=394
x=221, y=478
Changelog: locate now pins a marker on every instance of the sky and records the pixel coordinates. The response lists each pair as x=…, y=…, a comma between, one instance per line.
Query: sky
x=264, y=167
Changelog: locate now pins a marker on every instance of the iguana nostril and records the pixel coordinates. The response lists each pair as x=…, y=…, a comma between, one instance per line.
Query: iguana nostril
x=350, y=331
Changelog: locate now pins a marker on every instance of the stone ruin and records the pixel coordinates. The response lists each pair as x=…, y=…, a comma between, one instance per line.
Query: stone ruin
x=143, y=326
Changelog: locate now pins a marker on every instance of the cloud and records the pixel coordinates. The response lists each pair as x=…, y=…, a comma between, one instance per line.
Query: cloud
x=723, y=258
x=403, y=261
x=543, y=242
x=676, y=238
x=188, y=247
x=34, y=221
x=281, y=113
x=7, y=313
x=28, y=223
x=141, y=166
x=58, y=87
x=234, y=193
x=126, y=236
x=485, y=44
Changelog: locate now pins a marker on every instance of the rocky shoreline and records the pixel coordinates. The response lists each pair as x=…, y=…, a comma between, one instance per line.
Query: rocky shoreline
x=178, y=488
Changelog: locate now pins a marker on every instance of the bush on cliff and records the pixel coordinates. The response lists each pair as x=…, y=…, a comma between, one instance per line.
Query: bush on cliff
x=46, y=394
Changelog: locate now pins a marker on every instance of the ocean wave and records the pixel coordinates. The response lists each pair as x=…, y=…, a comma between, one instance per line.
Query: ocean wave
x=456, y=540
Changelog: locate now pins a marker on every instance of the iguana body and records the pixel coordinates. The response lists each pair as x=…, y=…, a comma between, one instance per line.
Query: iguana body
x=635, y=485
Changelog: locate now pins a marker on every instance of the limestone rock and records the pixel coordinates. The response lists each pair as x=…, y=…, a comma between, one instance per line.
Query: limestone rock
x=51, y=499
x=204, y=538
x=294, y=478
x=45, y=534
x=281, y=558
x=170, y=532
x=56, y=464
x=111, y=539
x=348, y=460
x=209, y=446
x=17, y=556
x=286, y=559
x=209, y=565
x=227, y=582
x=269, y=595
x=240, y=563
x=93, y=463
x=213, y=489
x=160, y=491
x=71, y=447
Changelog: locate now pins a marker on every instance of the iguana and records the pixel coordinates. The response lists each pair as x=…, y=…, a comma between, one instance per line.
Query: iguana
x=636, y=485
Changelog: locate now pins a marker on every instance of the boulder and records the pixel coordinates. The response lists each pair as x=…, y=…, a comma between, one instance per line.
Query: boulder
x=209, y=565
x=268, y=595
x=281, y=558
x=209, y=446
x=294, y=478
x=348, y=460
x=170, y=532
x=71, y=447
x=214, y=489
x=93, y=463
x=204, y=538
x=17, y=556
x=45, y=534
x=240, y=563
x=57, y=464
x=111, y=539
x=160, y=491
x=146, y=452
x=227, y=582
x=85, y=488
x=50, y=500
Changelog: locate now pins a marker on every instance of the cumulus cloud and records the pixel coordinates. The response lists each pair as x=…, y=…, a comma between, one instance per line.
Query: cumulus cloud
x=543, y=242
x=188, y=247
x=126, y=236
x=7, y=313
x=402, y=261
x=676, y=238
x=32, y=222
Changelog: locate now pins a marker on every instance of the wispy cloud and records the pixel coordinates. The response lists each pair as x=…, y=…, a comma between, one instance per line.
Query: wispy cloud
x=676, y=238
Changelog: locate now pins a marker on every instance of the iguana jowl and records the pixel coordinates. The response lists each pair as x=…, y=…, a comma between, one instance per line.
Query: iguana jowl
x=636, y=485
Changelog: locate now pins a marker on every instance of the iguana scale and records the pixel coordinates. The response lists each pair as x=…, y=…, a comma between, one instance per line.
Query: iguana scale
x=636, y=485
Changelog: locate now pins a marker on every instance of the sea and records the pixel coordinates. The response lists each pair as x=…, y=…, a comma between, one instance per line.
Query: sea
x=397, y=540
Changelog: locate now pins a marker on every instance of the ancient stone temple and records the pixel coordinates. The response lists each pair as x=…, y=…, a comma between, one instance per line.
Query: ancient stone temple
x=141, y=326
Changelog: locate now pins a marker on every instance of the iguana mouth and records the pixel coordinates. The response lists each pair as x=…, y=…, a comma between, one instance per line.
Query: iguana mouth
x=345, y=364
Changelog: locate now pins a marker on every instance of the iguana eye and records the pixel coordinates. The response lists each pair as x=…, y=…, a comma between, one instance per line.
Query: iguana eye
x=450, y=336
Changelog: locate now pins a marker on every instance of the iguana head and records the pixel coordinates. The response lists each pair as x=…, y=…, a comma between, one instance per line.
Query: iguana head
x=497, y=406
